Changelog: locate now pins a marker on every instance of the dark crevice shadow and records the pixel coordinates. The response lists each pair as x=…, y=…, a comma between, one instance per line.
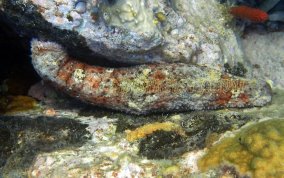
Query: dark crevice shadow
x=22, y=138
x=15, y=63
x=28, y=22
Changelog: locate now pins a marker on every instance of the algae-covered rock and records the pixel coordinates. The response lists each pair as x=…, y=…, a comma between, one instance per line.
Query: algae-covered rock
x=93, y=142
x=163, y=145
x=130, y=31
x=23, y=137
x=256, y=150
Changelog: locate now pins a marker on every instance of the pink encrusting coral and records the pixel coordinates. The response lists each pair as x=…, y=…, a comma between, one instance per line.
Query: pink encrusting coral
x=147, y=88
x=249, y=13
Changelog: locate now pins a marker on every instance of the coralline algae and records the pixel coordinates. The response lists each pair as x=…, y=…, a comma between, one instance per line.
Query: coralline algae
x=147, y=88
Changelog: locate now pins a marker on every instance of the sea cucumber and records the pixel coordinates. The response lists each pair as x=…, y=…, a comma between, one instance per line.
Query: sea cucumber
x=252, y=14
x=147, y=88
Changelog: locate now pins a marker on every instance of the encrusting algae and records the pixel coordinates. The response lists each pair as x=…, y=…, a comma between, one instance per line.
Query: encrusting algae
x=257, y=150
x=18, y=103
x=148, y=129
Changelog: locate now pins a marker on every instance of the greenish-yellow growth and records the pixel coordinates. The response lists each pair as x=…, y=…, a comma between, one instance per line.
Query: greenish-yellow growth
x=79, y=75
x=130, y=14
x=19, y=103
x=257, y=150
x=137, y=85
x=147, y=129
x=161, y=16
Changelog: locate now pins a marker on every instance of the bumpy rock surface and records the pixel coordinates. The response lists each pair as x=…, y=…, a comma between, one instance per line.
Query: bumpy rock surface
x=147, y=88
x=131, y=31
x=80, y=141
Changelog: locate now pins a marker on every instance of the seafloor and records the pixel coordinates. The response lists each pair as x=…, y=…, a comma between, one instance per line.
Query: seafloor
x=69, y=138
x=45, y=133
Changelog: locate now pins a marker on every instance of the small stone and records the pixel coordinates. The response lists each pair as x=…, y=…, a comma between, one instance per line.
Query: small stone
x=50, y=112
x=81, y=7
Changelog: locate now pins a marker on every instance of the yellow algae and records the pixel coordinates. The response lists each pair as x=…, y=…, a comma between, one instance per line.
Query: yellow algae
x=161, y=16
x=171, y=171
x=211, y=138
x=19, y=103
x=257, y=150
x=148, y=129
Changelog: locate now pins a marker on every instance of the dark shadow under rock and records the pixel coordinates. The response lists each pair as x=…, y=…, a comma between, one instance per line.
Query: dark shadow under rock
x=22, y=138
x=199, y=128
x=162, y=144
x=27, y=21
x=199, y=125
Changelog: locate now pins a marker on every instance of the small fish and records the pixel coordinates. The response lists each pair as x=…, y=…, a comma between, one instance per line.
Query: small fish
x=252, y=14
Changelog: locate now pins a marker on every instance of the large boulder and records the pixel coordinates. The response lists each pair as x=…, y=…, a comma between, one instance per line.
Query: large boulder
x=131, y=31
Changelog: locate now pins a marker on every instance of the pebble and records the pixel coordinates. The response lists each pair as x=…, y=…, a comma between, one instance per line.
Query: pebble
x=81, y=7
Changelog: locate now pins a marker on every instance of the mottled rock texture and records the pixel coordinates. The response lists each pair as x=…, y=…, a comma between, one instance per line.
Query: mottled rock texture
x=131, y=31
x=267, y=60
x=80, y=140
x=147, y=88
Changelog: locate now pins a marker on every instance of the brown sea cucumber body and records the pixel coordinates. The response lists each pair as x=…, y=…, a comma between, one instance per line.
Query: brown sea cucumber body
x=147, y=88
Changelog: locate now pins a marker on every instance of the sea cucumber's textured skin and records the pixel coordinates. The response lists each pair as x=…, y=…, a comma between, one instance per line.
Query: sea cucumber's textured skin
x=147, y=88
x=252, y=14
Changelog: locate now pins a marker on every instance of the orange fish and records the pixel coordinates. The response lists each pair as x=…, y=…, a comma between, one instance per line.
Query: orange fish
x=252, y=14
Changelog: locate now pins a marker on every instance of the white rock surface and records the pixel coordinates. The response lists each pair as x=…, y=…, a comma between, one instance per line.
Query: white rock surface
x=266, y=54
x=141, y=31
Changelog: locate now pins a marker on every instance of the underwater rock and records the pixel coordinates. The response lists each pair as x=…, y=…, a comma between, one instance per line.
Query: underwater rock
x=97, y=146
x=267, y=64
x=78, y=146
x=130, y=31
x=23, y=137
x=163, y=145
x=147, y=88
x=6, y=144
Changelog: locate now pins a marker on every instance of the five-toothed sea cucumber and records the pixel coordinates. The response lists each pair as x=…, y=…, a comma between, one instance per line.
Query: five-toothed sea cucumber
x=147, y=88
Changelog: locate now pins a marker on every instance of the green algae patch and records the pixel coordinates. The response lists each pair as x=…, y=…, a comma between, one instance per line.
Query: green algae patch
x=256, y=150
x=12, y=104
